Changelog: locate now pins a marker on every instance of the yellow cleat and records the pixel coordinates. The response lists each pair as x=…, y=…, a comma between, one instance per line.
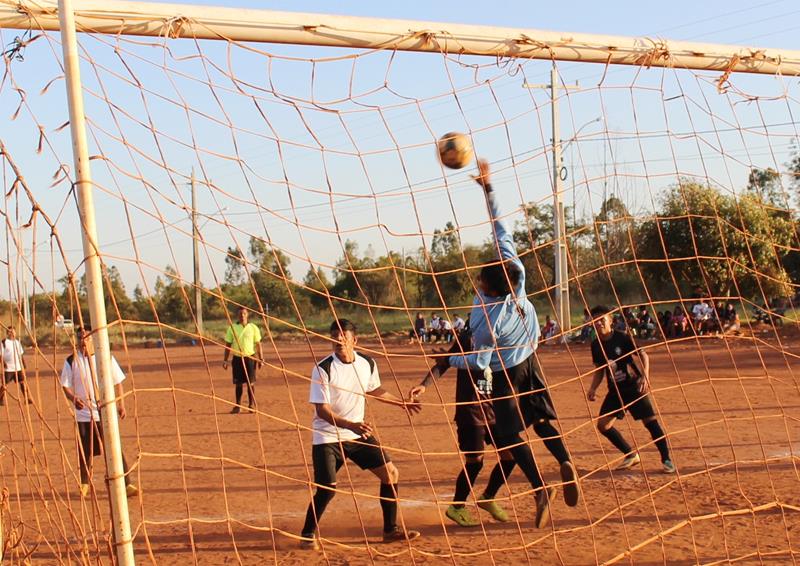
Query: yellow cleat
x=85, y=489
x=131, y=490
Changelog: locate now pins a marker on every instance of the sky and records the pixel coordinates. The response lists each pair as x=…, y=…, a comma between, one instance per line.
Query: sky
x=309, y=147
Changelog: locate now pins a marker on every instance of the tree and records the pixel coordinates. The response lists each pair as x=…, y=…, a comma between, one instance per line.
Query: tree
x=703, y=235
x=317, y=287
x=270, y=277
x=766, y=183
x=171, y=297
x=234, y=266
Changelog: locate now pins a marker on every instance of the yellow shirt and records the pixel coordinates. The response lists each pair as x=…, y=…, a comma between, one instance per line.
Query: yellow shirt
x=243, y=339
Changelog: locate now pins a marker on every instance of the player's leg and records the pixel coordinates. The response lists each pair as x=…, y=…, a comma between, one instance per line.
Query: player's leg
x=368, y=455
x=554, y=442
x=498, y=477
x=3, y=389
x=470, y=444
x=326, y=459
x=642, y=409
x=85, y=455
x=19, y=377
x=239, y=377
x=250, y=374
x=605, y=425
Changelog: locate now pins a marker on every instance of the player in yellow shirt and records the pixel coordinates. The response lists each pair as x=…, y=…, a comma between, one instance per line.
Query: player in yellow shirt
x=242, y=339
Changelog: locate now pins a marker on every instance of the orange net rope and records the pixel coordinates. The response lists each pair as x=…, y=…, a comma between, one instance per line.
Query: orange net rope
x=318, y=196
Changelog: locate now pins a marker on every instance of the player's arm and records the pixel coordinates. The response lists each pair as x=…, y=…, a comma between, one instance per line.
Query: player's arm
x=72, y=398
x=384, y=396
x=597, y=379
x=644, y=378
x=503, y=237
x=120, y=393
x=325, y=412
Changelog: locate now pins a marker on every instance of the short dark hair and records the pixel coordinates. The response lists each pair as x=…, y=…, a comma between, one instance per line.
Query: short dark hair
x=599, y=311
x=84, y=328
x=343, y=325
x=501, y=277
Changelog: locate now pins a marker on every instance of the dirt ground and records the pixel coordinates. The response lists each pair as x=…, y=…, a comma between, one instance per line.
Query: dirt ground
x=218, y=488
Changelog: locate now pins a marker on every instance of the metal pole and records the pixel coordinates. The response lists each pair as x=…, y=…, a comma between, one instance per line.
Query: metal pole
x=94, y=288
x=559, y=220
x=198, y=295
x=237, y=24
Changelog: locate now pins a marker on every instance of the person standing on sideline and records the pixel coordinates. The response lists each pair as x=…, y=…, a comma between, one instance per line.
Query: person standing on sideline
x=13, y=365
x=340, y=384
x=242, y=338
x=78, y=378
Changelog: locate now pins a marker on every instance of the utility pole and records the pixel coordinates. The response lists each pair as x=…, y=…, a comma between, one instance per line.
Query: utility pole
x=198, y=295
x=560, y=265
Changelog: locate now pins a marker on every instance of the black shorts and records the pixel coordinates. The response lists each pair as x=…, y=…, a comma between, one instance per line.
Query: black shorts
x=90, y=439
x=14, y=376
x=328, y=458
x=520, y=398
x=473, y=438
x=243, y=369
x=626, y=397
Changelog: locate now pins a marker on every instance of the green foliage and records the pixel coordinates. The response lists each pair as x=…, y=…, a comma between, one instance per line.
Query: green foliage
x=731, y=243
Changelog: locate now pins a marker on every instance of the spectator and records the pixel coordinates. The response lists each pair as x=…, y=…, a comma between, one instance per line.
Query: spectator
x=665, y=322
x=445, y=330
x=458, y=325
x=729, y=319
x=434, y=330
x=419, y=332
x=646, y=324
x=550, y=328
x=680, y=322
x=701, y=313
x=588, y=328
x=618, y=323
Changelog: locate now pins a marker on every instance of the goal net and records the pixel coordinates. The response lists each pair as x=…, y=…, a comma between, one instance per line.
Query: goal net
x=302, y=184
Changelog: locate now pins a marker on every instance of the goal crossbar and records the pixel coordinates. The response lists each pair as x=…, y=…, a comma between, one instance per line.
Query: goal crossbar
x=234, y=24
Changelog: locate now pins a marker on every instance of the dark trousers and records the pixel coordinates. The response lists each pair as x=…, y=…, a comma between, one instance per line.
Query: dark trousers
x=90, y=444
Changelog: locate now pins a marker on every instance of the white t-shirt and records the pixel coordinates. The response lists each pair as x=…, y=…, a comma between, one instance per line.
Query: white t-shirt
x=458, y=324
x=78, y=377
x=12, y=355
x=701, y=311
x=344, y=387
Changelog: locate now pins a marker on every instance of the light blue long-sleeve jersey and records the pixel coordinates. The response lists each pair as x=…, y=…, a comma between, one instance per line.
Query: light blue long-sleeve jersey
x=505, y=330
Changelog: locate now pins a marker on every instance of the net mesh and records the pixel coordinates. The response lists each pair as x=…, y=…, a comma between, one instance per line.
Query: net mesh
x=318, y=195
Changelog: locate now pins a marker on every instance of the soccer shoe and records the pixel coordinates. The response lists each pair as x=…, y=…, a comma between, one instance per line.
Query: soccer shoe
x=251, y=408
x=399, y=534
x=630, y=461
x=494, y=509
x=131, y=490
x=668, y=467
x=236, y=410
x=543, y=497
x=85, y=489
x=461, y=516
x=572, y=490
x=309, y=543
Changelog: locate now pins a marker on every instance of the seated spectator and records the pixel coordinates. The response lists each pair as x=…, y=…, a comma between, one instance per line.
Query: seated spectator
x=680, y=323
x=419, y=332
x=458, y=325
x=729, y=319
x=435, y=329
x=701, y=313
x=550, y=328
x=619, y=324
x=665, y=322
x=646, y=325
x=587, y=328
x=445, y=330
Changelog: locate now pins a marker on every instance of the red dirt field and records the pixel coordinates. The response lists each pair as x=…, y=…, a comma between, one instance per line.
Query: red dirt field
x=232, y=489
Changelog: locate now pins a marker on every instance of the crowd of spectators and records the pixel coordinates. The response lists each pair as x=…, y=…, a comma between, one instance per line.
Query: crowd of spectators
x=438, y=329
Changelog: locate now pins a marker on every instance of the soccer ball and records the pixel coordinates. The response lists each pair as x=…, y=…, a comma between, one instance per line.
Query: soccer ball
x=455, y=151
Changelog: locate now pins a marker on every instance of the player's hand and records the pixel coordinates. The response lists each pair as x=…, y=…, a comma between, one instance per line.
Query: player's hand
x=224, y=364
x=643, y=386
x=416, y=392
x=591, y=395
x=121, y=413
x=364, y=430
x=78, y=402
x=259, y=363
x=482, y=178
